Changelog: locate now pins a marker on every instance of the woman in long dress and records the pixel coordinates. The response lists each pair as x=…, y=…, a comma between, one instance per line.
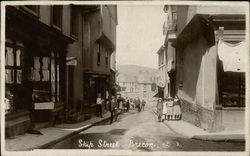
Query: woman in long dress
x=177, y=109
x=159, y=109
x=165, y=108
x=170, y=108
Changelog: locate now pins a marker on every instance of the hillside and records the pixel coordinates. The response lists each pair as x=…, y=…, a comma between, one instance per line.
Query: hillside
x=133, y=70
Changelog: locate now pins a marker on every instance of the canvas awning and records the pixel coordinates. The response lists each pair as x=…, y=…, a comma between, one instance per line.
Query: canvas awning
x=233, y=56
x=199, y=24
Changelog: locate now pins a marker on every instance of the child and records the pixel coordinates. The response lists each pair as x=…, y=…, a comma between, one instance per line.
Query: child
x=165, y=109
x=177, y=109
x=170, y=107
x=159, y=109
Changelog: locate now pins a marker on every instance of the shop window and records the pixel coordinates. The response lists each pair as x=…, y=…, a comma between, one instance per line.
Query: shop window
x=32, y=9
x=14, y=55
x=57, y=16
x=74, y=22
x=45, y=77
x=231, y=73
x=99, y=55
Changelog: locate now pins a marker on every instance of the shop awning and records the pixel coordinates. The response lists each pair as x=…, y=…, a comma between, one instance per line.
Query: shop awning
x=233, y=56
x=198, y=25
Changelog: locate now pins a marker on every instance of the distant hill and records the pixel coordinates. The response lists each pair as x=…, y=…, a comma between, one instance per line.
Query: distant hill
x=133, y=70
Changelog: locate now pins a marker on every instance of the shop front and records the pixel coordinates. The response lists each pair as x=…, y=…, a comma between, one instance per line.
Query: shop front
x=95, y=84
x=34, y=73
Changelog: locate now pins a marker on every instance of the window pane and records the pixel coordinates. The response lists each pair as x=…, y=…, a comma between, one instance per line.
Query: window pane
x=53, y=78
x=18, y=57
x=46, y=61
x=36, y=63
x=74, y=22
x=36, y=75
x=45, y=69
x=19, y=76
x=58, y=78
x=9, y=57
x=46, y=75
x=9, y=76
x=57, y=16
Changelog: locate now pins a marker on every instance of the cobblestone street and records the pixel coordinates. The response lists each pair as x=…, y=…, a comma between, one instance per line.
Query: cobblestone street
x=140, y=131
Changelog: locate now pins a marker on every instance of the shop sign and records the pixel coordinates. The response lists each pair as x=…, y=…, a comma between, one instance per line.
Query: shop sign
x=71, y=61
x=44, y=105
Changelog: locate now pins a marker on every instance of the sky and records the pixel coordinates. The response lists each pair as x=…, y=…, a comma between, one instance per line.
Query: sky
x=139, y=34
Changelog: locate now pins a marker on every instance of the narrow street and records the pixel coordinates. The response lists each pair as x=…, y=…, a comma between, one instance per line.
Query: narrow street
x=140, y=131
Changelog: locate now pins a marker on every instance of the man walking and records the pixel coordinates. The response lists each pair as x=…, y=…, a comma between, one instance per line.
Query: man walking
x=127, y=104
x=113, y=109
x=139, y=104
x=143, y=103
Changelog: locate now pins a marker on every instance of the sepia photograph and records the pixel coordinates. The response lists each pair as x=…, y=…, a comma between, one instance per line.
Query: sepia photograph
x=123, y=78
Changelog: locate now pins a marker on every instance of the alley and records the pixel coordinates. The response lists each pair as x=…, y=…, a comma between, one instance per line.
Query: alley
x=140, y=131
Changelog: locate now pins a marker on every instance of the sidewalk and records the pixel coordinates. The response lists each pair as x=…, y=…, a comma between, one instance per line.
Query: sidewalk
x=51, y=135
x=188, y=130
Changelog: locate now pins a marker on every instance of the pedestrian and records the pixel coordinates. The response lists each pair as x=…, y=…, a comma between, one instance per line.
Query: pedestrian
x=177, y=108
x=127, y=104
x=113, y=109
x=159, y=109
x=168, y=113
x=143, y=104
x=135, y=102
x=131, y=103
x=138, y=104
x=165, y=108
x=119, y=99
x=99, y=102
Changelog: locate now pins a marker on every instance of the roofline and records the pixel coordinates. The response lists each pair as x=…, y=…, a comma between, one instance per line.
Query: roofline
x=160, y=49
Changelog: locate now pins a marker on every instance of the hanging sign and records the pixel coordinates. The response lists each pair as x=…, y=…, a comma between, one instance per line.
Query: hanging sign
x=71, y=61
x=44, y=105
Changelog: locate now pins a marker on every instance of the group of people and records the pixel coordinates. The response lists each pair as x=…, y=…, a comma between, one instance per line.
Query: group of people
x=113, y=106
x=119, y=103
x=169, y=108
x=131, y=104
x=137, y=104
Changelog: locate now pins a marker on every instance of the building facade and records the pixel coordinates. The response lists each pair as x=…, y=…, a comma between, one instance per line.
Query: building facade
x=128, y=85
x=211, y=90
x=163, y=79
x=142, y=86
x=100, y=43
x=35, y=59
x=47, y=62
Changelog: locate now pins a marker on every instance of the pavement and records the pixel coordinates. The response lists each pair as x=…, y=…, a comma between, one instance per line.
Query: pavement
x=193, y=132
x=56, y=134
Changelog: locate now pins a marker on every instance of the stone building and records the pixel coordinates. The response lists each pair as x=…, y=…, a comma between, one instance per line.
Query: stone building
x=142, y=86
x=211, y=91
x=163, y=79
x=49, y=51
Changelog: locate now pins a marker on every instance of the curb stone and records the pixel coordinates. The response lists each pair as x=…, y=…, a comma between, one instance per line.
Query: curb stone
x=46, y=145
